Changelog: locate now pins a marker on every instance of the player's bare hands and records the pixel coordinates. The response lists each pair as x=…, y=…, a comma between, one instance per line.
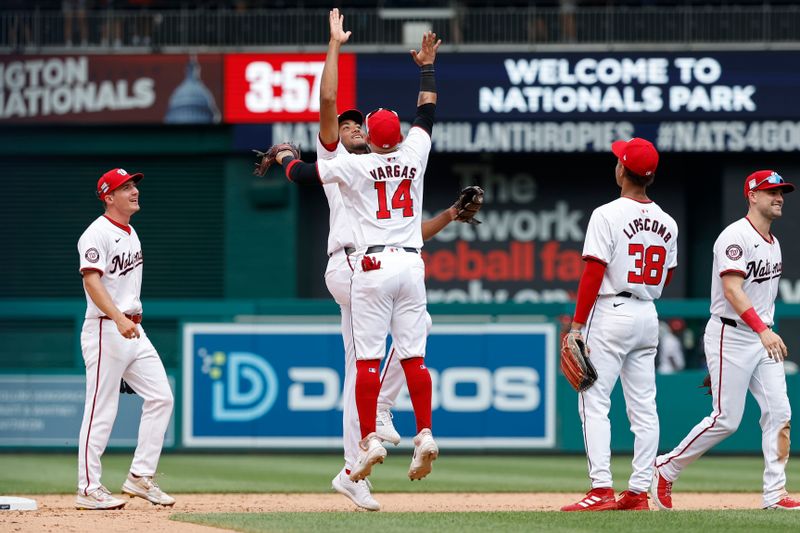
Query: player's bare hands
x=427, y=52
x=127, y=328
x=776, y=349
x=337, y=27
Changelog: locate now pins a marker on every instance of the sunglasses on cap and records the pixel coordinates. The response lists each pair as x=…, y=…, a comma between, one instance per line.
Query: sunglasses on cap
x=773, y=178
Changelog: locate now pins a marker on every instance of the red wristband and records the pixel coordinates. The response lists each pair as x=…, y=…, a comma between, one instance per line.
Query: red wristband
x=752, y=319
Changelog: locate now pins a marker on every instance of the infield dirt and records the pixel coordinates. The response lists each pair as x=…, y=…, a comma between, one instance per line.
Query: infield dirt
x=57, y=513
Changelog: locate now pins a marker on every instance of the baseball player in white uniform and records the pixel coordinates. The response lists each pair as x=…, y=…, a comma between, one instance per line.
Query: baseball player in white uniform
x=115, y=347
x=342, y=135
x=742, y=351
x=630, y=253
x=382, y=194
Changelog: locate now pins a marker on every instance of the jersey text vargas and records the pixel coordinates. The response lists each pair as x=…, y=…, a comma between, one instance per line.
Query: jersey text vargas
x=393, y=171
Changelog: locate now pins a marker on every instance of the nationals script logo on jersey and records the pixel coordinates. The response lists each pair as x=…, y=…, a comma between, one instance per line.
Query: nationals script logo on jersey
x=637, y=241
x=116, y=254
x=382, y=193
x=740, y=249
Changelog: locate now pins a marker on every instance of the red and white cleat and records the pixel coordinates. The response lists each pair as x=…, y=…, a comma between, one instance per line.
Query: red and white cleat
x=786, y=504
x=600, y=499
x=632, y=501
x=661, y=491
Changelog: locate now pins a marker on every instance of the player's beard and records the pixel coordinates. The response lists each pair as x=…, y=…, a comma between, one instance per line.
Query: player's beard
x=359, y=147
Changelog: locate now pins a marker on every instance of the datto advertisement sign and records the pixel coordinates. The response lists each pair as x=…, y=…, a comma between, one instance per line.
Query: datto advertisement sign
x=280, y=386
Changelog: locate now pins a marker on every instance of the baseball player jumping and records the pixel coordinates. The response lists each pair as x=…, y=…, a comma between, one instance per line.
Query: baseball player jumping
x=341, y=135
x=382, y=191
x=742, y=351
x=115, y=347
x=630, y=252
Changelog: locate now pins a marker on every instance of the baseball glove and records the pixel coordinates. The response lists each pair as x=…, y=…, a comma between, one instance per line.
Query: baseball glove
x=575, y=363
x=125, y=388
x=469, y=202
x=264, y=160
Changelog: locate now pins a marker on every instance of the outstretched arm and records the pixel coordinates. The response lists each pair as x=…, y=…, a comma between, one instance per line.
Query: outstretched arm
x=434, y=225
x=425, y=58
x=328, y=123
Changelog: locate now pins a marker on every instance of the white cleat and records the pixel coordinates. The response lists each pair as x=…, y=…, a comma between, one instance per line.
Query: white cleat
x=371, y=453
x=359, y=493
x=146, y=487
x=385, y=427
x=100, y=499
x=425, y=453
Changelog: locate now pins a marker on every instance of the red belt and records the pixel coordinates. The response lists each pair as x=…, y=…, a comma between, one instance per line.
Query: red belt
x=136, y=319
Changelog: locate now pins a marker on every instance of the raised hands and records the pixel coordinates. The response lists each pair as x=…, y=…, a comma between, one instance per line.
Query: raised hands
x=337, y=27
x=427, y=52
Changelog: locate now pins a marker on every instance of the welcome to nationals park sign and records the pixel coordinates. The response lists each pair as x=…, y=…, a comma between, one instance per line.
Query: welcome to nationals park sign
x=570, y=102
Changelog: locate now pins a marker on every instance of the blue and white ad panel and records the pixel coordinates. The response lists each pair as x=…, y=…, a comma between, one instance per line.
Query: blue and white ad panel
x=280, y=386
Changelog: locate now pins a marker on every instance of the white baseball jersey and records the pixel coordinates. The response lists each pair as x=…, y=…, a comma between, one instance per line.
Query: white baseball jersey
x=638, y=243
x=386, y=207
x=113, y=250
x=740, y=248
x=340, y=234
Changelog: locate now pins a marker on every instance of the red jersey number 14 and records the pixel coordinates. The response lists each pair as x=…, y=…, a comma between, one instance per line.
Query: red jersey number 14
x=401, y=199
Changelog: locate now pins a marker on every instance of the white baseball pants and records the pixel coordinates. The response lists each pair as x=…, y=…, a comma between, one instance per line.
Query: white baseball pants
x=109, y=357
x=622, y=335
x=737, y=361
x=337, y=279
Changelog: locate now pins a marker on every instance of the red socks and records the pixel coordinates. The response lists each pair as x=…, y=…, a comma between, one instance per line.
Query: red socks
x=368, y=386
x=418, y=380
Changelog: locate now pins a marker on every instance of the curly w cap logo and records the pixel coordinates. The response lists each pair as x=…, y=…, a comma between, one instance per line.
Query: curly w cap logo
x=122, y=172
x=244, y=386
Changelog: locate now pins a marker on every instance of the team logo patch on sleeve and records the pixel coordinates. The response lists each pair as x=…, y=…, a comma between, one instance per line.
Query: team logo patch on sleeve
x=92, y=255
x=734, y=252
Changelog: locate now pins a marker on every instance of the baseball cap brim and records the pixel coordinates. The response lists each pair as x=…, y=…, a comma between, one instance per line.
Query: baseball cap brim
x=352, y=114
x=787, y=187
x=618, y=148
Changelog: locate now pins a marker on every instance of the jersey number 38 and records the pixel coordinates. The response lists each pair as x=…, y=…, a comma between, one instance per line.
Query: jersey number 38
x=648, y=264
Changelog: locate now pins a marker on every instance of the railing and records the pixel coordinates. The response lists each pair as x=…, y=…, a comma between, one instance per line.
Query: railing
x=469, y=28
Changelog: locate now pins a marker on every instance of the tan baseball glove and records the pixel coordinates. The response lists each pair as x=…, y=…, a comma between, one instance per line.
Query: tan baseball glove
x=266, y=159
x=575, y=363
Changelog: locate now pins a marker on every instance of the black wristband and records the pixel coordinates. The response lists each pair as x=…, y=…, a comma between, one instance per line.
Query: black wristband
x=427, y=79
x=286, y=160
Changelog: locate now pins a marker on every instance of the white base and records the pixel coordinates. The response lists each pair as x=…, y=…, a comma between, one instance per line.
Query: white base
x=11, y=503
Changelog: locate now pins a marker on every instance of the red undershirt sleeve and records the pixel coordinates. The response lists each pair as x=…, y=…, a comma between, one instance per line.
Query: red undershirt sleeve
x=588, y=289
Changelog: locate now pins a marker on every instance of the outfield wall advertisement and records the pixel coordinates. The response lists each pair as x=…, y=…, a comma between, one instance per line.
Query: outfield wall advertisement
x=46, y=410
x=280, y=386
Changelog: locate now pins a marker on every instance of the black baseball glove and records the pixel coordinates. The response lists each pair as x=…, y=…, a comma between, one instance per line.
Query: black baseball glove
x=266, y=159
x=125, y=388
x=469, y=202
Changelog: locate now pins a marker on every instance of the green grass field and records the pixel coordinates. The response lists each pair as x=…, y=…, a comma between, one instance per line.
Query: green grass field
x=502, y=522
x=261, y=473
x=198, y=473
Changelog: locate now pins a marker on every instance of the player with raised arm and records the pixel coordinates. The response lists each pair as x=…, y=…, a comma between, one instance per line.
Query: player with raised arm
x=382, y=192
x=742, y=351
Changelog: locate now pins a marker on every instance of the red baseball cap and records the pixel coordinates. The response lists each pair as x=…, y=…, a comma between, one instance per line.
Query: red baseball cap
x=383, y=128
x=637, y=155
x=761, y=180
x=113, y=179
